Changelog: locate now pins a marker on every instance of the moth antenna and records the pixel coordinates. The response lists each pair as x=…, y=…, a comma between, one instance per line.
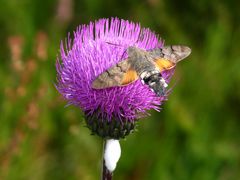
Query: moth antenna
x=124, y=53
x=114, y=44
x=119, y=46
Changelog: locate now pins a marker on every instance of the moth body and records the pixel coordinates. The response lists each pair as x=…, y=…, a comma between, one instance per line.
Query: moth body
x=144, y=65
x=141, y=62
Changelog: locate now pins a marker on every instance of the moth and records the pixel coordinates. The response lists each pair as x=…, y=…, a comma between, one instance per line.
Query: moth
x=144, y=65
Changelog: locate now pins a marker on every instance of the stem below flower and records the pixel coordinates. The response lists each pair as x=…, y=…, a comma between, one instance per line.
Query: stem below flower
x=106, y=174
x=111, y=155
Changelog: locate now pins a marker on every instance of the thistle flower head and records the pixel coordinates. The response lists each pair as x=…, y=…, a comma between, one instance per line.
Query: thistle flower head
x=110, y=112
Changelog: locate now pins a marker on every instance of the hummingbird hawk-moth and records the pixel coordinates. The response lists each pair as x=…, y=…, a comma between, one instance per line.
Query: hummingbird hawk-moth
x=146, y=65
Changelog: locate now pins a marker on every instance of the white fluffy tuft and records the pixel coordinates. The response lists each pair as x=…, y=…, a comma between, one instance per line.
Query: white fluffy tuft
x=112, y=154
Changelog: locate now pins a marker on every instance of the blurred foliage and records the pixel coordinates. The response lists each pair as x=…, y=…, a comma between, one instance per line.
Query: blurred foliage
x=196, y=135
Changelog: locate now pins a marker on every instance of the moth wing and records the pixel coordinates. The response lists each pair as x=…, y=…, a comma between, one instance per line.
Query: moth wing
x=129, y=77
x=119, y=75
x=167, y=57
x=164, y=64
x=176, y=53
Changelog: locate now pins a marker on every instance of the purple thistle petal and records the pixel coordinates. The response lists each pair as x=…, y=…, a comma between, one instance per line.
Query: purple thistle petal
x=95, y=48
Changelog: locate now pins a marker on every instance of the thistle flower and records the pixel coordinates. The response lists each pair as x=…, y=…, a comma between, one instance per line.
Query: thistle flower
x=110, y=112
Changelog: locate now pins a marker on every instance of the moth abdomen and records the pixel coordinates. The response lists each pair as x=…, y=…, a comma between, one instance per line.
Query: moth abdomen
x=154, y=81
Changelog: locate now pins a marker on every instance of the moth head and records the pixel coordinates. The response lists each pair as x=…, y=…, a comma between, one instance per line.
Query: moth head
x=155, y=82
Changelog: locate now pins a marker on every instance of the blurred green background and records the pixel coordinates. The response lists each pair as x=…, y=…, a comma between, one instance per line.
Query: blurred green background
x=196, y=135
